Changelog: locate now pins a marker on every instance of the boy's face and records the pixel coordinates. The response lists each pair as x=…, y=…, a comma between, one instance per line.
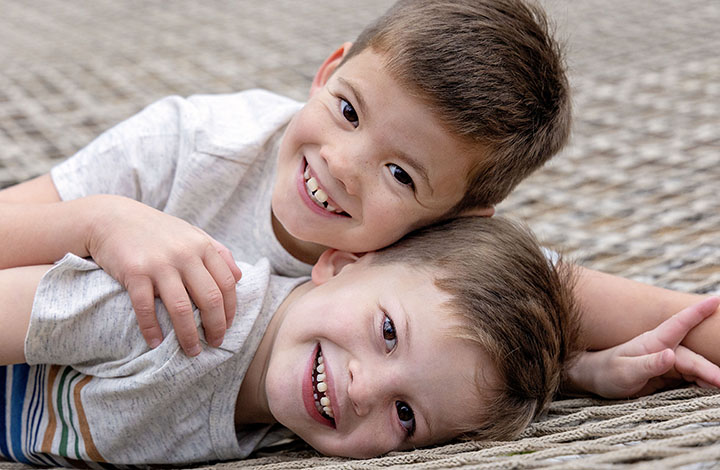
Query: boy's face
x=379, y=157
x=396, y=376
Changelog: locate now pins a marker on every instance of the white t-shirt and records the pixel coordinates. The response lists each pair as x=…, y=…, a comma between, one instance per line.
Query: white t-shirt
x=208, y=159
x=111, y=398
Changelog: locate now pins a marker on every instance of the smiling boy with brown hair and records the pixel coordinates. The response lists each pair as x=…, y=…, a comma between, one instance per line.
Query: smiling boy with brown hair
x=442, y=334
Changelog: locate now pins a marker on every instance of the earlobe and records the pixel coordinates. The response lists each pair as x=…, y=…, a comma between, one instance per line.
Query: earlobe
x=328, y=67
x=330, y=263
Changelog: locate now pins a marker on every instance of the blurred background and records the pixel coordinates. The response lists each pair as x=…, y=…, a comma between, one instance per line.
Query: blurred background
x=636, y=193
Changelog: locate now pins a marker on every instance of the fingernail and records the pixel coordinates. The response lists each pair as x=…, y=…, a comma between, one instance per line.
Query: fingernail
x=154, y=343
x=195, y=350
x=216, y=343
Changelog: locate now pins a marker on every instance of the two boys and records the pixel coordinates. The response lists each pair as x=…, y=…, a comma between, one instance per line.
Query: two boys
x=398, y=133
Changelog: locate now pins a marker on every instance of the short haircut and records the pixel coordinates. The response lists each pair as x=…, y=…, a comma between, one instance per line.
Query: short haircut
x=491, y=72
x=512, y=301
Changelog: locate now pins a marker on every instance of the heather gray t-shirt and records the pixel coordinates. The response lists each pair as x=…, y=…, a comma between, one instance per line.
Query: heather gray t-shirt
x=208, y=159
x=119, y=401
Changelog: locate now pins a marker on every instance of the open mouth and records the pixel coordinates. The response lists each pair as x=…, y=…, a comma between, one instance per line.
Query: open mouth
x=320, y=387
x=318, y=195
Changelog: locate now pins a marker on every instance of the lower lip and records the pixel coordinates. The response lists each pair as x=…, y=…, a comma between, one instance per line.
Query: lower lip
x=307, y=392
x=306, y=198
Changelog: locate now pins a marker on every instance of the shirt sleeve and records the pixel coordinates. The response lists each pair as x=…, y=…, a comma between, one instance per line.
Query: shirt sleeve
x=136, y=158
x=82, y=317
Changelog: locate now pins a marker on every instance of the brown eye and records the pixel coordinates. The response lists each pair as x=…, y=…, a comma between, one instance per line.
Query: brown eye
x=400, y=175
x=349, y=113
x=406, y=416
x=389, y=334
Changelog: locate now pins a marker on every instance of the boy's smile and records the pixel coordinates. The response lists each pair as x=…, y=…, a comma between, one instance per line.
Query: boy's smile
x=366, y=361
x=363, y=163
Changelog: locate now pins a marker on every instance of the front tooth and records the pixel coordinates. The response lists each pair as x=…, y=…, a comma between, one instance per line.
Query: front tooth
x=325, y=401
x=321, y=378
x=320, y=195
x=322, y=387
x=321, y=368
x=330, y=208
x=312, y=184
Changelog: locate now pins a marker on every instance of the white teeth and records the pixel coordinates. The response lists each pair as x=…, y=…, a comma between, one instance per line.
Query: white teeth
x=321, y=196
x=318, y=195
x=323, y=402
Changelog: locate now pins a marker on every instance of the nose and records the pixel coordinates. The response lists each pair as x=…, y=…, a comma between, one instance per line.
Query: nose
x=346, y=166
x=365, y=389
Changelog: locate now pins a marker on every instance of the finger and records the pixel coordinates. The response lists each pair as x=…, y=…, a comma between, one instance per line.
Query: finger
x=228, y=258
x=639, y=374
x=673, y=330
x=695, y=367
x=142, y=297
x=209, y=299
x=173, y=294
x=702, y=384
x=220, y=264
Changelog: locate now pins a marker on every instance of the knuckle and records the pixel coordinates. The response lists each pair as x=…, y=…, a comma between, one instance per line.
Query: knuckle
x=182, y=308
x=227, y=283
x=214, y=299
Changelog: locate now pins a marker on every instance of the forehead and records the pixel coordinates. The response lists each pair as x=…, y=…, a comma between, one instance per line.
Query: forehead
x=405, y=126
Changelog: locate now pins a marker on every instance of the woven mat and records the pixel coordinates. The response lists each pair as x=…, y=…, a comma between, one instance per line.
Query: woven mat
x=635, y=194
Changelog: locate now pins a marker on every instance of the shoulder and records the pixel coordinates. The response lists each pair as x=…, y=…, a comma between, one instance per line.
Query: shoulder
x=248, y=118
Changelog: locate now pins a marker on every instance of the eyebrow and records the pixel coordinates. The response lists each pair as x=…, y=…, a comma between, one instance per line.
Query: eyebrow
x=402, y=156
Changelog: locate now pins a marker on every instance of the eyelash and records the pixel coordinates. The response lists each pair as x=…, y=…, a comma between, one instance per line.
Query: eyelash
x=410, y=183
x=347, y=107
x=389, y=333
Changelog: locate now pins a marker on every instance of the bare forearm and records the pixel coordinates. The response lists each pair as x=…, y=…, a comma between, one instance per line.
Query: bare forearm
x=42, y=233
x=615, y=309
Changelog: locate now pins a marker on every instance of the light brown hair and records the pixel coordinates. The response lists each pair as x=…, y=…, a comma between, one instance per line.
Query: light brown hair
x=491, y=71
x=513, y=302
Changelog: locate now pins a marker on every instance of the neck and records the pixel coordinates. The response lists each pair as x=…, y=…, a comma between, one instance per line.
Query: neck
x=251, y=406
x=307, y=252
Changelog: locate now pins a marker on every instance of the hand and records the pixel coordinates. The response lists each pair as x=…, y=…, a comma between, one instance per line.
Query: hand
x=150, y=252
x=649, y=362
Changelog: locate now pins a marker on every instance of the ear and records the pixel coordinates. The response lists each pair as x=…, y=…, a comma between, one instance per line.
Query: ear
x=478, y=212
x=330, y=263
x=328, y=67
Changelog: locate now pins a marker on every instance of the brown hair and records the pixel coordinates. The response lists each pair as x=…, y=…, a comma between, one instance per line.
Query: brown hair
x=514, y=303
x=492, y=73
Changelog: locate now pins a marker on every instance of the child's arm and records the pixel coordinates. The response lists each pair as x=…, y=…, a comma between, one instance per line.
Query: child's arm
x=652, y=360
x=146, y=250
x=615, y=309
x=17, y=291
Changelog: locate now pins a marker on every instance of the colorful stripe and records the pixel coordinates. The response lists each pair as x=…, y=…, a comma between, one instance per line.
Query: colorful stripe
x=42, y=418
